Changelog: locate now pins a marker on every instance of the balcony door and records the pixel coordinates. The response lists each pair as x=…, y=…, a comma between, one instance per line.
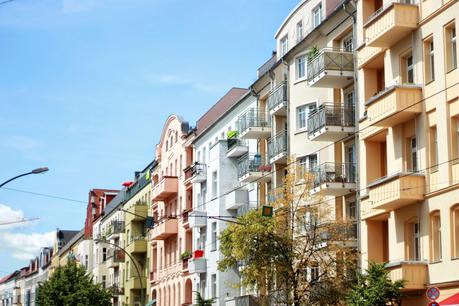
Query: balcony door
x=350, y=159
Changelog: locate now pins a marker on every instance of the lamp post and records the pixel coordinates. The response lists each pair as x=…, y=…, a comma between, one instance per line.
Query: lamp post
x=34, y=171
x=142, y=302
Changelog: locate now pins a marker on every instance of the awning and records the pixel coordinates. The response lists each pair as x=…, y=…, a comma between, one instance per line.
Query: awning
x=151, y=303
x=451, y=301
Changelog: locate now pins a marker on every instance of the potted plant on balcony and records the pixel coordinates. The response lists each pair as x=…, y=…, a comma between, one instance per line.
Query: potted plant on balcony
x=312, y=53
x=186, y=255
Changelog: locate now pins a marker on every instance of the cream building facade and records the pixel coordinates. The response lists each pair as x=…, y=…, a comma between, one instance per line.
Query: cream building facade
x=408, y=106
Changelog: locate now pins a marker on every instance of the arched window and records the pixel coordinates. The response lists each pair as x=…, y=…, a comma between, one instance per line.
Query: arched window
x=435, y=236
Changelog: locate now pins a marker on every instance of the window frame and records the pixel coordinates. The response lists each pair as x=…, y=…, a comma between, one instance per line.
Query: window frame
x=315, y=10
x=436, y=254
x=299, y=31
x=301, y=66
x=283, y=45
x=308, y=110
x=454, y=213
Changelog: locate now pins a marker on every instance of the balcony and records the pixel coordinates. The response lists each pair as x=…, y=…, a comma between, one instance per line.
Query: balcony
x=115, y=257
x=198, y=173
x=236, y=198
x=277, y=100
x=331, y=69
x=185, y=264
x=236, y=147
x=245, y=300
x=252, y=168
x=344, y=235
x=277, y=148
x=254, y=124
x=137, y=212
x=198, y=218
x=164, y=229
x=135, y=283
x=164, y=189
x=331, y=122
x=197, y=265
x=116, y=290
x=413, y=272
x=390, y=23
x=153, y=276
x=395, y=105
x=137, y=245
x=334, y=179
x=396, y=191
x=367, y=55
x=115, y=229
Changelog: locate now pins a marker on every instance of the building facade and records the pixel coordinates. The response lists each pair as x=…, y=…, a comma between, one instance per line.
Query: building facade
x=408, y=98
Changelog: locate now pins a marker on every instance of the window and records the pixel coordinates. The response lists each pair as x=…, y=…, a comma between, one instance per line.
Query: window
x=429, y=54
x=301, y=67
x=409, y=69
x=86, y=261
x=314, y=271
x=351, y=210
x=413, y=154
x=317, y=15
x=433, y=148
x=348, y=45
x=451, y=47
x=455, y=230
x=213, y=280
x=104, y=254
x=214, y=236
x=307, y=163
x=412, y=240
x=299, y=31
x=302, y=115
x=284, y=45
x=104, y=279
x=435, y=237
x=214, y=184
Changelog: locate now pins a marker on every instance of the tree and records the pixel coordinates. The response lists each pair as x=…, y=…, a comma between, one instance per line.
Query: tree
x=300, y=256
x=374, y=288
x=203, y=302
x=70, y=285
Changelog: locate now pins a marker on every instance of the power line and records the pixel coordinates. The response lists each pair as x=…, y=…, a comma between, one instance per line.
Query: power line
x=44, y=195
x=326, y=146
x=5, y=2
x=19, y=221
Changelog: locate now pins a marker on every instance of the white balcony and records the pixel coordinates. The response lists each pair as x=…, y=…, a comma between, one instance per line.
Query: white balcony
x=197, y=218
x=236, y=198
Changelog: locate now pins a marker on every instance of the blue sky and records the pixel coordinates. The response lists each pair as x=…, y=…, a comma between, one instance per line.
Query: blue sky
x=86, y=85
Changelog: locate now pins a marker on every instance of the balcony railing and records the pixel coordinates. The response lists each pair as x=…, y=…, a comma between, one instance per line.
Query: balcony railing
x=278, y=97
x=334, y=173
x=414, y=273
x=198, y=172
x=330, y=115
x=332, y=68
x=252, y=166
x=277, y=145
x=115, y=228
x=116, y=290
x=256, y=121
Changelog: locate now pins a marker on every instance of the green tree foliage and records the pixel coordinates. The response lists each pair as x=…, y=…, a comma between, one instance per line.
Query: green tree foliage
x=203, y=302
x=275, y=256
x=374, y=288
x=70, y=285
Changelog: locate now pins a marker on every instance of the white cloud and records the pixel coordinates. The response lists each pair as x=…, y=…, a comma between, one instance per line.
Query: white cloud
x=25, y=246
x=8, y=214
x=176, y=80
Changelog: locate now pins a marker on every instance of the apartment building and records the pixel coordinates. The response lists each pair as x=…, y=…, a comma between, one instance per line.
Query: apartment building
x=220, y=194
x=7, y=289
x=408, y=106
x=171, y=236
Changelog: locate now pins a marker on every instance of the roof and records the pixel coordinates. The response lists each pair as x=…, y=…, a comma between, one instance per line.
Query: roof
x=74, y=238
x=219, y=108
x=9, y=277
x=65, y=236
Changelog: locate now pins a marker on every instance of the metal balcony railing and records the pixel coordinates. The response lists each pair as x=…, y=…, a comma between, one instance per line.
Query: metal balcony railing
x=234, y=142
x=116, y=227
x=277, y=144
x=334, y=173
x=278, y=96
x=198, y=169
x=253, y=117
x=330, y=114
x=252, y=163
x=330, y=59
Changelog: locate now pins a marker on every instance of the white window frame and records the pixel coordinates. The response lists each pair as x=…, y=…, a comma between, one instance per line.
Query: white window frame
x=301, y=67
x=299, y=31
x=453, y=47
x=213, y=236
x=309, y=107
x=284, y=45
x=317, y=11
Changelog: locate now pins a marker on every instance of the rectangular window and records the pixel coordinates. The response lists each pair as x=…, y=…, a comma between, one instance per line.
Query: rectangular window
x=214, y=184
x=348, y=45
x=429, y=53
x=284, y=45
x=414, y=154
x=104, y=279
x=214, y=236
x=435, y=237
x=214, y=285
x=317, y=15
x=433, y=148
x=351, y=210
x=299, y=31
x=455, y=229
x=301, y=67
x=416, y=242
x=86, y=261
x=104, y=254
x=409, y=69
x=450, y=47
x=302, y=115
x=314, y=272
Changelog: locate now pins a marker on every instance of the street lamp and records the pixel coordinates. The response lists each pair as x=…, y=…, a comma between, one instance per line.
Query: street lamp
x=34, y=171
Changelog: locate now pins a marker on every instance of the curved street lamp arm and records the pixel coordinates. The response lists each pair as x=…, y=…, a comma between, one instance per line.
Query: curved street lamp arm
x=12, y=179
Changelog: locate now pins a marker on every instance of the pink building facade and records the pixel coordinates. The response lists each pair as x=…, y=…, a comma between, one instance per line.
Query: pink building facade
x=171, y=236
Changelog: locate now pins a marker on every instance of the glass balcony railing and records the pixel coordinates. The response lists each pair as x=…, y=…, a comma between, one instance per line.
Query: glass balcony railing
x=278, y=96
x=334, y=173
x=330, y=114
x=277, y=144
